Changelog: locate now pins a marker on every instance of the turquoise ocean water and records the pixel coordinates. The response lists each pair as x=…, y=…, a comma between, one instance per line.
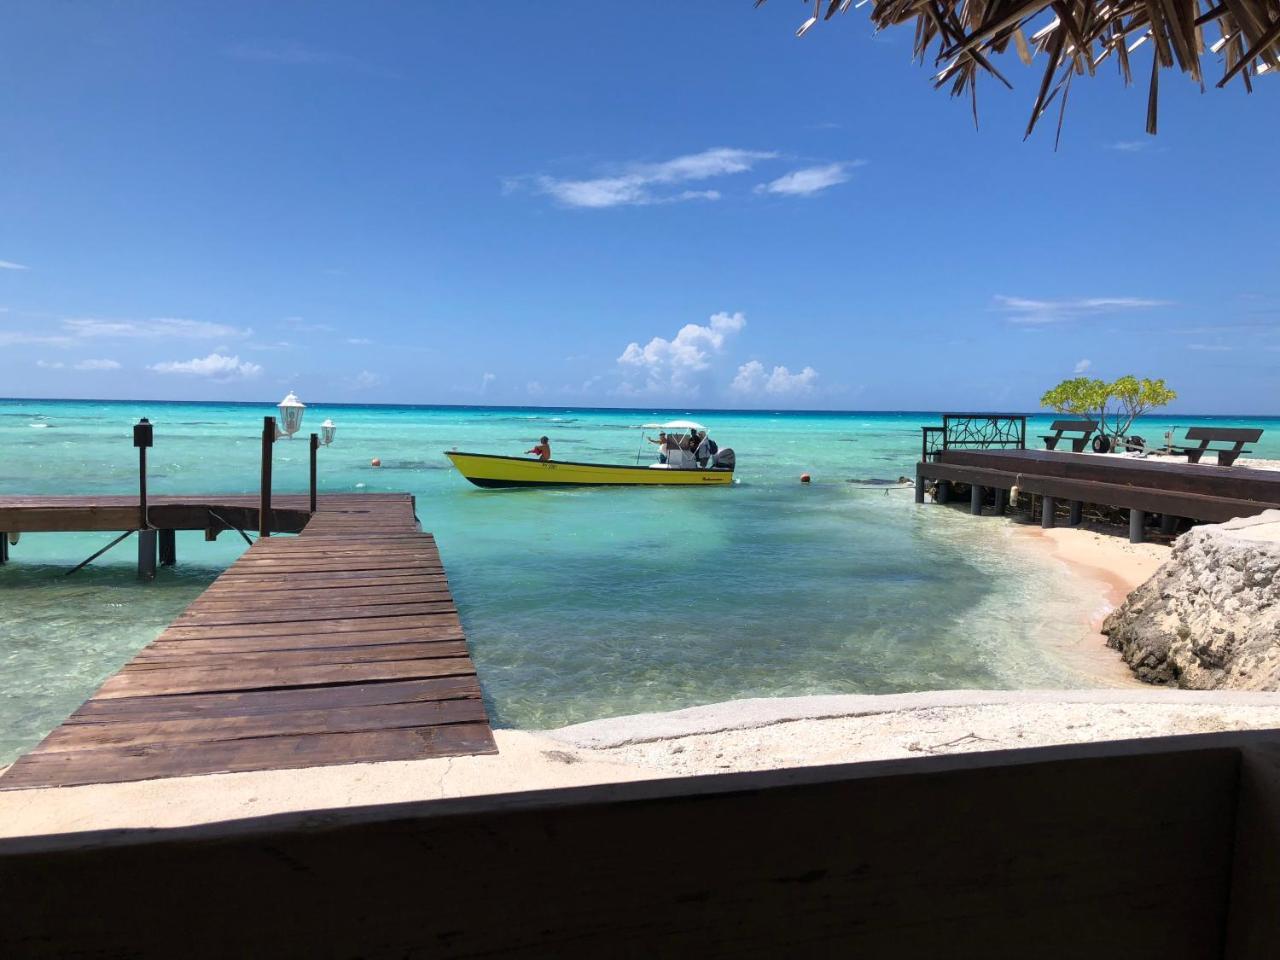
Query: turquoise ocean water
x=578, y=604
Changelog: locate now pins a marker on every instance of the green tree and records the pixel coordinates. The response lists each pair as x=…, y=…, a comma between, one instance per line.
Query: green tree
x=1135, y=397
x=1114, y=405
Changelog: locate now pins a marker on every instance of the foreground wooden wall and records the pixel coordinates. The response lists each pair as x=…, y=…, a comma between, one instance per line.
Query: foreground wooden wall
x=1118, y=850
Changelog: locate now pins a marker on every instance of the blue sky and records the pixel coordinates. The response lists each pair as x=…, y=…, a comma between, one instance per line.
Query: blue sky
x=607, y=204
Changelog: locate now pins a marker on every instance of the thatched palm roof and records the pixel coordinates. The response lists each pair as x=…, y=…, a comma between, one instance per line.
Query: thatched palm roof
x=1075, y=37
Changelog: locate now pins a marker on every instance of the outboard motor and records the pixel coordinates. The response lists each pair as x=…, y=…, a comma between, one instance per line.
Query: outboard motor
x=724, y=459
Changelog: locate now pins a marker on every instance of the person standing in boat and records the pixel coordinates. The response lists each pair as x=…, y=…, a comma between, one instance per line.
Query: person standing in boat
x=543, y=450
x=702, y=448
x=664, y=444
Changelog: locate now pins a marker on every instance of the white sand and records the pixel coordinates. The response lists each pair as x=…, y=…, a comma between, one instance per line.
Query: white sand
x=744, y=735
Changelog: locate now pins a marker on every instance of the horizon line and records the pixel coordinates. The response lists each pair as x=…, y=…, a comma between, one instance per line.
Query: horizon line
x=655, y=409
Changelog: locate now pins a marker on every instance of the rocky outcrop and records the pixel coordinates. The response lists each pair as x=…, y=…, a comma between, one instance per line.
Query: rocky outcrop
x=1210, y=617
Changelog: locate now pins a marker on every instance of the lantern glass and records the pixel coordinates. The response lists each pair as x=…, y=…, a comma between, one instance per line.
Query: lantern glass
x=291, y=414
x=327, y=430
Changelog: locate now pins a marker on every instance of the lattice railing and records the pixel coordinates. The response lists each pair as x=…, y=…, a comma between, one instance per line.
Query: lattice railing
x=975, y=431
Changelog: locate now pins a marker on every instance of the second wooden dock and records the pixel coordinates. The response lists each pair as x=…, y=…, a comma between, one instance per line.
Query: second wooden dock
x=340, y=645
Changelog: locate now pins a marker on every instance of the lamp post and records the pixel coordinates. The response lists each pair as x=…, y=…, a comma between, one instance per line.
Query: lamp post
x=290, y=422
x=327, y=430
x=143, y=437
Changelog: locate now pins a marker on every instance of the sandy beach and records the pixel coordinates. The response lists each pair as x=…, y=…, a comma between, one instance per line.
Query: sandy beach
x=736, y=736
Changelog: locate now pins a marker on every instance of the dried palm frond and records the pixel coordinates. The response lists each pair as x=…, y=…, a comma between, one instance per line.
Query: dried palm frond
x=1076, y=36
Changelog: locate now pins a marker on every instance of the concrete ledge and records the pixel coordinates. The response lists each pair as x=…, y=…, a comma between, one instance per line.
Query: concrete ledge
x=763, y=712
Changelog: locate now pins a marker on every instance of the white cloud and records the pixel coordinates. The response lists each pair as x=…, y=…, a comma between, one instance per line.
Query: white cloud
x=50, y=364
x=1023, y=310
x=10, y=265
x=14, y=337
x=673, y=366
x=487, y=379
x=1209, y=347
x=808, y=181
x=1129, y=146
x=780, y=382
x=635, y=184
x=534, y=388
x=160, y=328
x=359, y=341
x=98, y=365
x=366, y=380
x=1083, y=365
x=215, y=366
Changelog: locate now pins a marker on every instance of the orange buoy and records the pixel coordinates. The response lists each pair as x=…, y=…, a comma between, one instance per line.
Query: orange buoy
x=375, y=462
x=804, y=478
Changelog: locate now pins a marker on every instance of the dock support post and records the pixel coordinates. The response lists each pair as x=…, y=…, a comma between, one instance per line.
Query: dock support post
x=4, y=547
x=943, y=494
x=147, y=554
x=264, y=502
x=1077, y=513
x=1137, y=520
x=168, y=548
x=975, y=500
x=1168, y=524
x=315, y=445
x=919, y=487
x=1002, y=501
x=1046, y=512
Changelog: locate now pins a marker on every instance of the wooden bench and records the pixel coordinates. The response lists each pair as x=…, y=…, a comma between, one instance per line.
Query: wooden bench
x=1207, y=435
x=1083, y=427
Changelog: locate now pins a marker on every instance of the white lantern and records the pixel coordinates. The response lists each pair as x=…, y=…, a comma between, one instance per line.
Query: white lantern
x=327, y=430
x=291, y=414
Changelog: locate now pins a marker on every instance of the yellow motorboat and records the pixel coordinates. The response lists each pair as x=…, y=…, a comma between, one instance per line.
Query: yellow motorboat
x=675, y=468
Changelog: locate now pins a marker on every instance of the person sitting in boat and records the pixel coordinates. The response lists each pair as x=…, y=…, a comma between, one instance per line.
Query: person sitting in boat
x=664, y=444
x=543, y=450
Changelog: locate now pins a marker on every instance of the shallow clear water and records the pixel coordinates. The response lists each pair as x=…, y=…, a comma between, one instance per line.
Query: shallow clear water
x=578, y=604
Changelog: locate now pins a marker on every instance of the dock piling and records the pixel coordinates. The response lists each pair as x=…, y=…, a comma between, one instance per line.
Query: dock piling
x=942, y=491
x=1046, y=512
x=975, y=500
x=264, y=503
x=919, y=488
x=1168, y=524
x=1137, y=520
x=147, y=554
x=1002, y=501
x=315, y=445
x=168, y=548
x=4, y=547
x=1077, y=513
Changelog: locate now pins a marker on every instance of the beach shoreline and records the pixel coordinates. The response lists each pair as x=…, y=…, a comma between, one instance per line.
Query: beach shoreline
x=720, y=737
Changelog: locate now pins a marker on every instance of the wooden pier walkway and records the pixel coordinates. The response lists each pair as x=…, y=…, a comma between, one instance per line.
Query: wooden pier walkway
x=340, y=645
x=1173, y=491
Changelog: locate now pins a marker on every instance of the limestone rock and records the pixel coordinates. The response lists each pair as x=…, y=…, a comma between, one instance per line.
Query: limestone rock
x=1210, y=617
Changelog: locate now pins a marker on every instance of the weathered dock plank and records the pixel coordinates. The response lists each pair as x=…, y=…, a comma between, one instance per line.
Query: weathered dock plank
x=341, y=645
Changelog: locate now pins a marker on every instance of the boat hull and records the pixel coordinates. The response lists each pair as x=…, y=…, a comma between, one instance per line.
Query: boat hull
x=487, y=470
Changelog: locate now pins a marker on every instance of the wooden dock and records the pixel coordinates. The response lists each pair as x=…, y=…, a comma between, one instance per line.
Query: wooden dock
x=340, y=645
x=1172, y=491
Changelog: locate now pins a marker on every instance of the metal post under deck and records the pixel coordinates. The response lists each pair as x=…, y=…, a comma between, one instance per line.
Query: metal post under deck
x=147, y=554
x=168, y=548
x=4, y=547
x=943, y=494
x=975, y=500
x=1046, y=512
x=1168, y=524
x=1077, y=513
x=1137, y=520
x=919, y=487
x=1002, y=501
